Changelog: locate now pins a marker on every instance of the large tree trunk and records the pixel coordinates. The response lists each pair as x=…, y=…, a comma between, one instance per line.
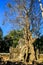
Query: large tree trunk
x=25, y=52
x=29, y=41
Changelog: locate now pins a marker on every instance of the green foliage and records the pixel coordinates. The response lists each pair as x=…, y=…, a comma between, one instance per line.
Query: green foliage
x=10, y=40
x=39, y=44
x=15, y=35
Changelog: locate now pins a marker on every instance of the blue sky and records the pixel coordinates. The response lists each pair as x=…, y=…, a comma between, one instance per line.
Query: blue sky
x=7, y=27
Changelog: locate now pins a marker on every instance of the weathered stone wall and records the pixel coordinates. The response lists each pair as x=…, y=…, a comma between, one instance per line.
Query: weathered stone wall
x=4, y=56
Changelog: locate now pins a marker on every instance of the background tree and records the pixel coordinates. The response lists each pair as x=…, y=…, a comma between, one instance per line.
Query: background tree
x=38, y=44
x=1, y=34
x=41, y=44
x=14, y=36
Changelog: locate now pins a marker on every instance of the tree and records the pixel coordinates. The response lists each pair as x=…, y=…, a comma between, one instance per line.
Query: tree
x=38, y=44
x=41, y=44
x=29, y=9
x=1, y=33
x=13, y=37
x=28, y=18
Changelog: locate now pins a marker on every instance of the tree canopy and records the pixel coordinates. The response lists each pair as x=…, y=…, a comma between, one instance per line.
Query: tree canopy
x=17, y=11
